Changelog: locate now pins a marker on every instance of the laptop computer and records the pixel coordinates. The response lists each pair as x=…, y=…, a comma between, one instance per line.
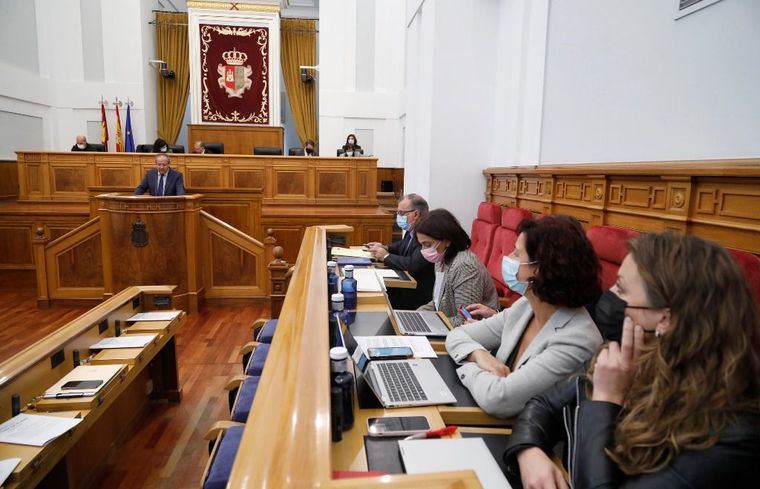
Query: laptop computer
x=420, y=323
x=399, y=383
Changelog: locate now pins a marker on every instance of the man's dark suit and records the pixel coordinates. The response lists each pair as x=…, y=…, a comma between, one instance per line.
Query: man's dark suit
x=406, y=255
x=89, y=147
x=174, y=184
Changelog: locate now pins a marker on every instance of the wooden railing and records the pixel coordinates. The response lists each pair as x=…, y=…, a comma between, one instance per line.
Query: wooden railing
x=714, y=199
x=286, y=442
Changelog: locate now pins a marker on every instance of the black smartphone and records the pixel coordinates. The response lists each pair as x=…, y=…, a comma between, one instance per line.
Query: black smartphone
x=390, y=353
x=81, y=384
x=397, y=425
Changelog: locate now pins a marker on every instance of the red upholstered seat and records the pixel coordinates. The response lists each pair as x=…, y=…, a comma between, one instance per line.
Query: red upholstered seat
x=750, y=265
x=610, y=246
x=483, y=228
x=503, y=244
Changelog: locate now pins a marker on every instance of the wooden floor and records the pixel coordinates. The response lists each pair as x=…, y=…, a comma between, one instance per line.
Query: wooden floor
x=167, y=450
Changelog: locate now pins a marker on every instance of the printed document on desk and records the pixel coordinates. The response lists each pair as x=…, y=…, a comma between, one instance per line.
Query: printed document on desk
x=368, y=281
x=352, y=252
x=126, y=341
x=34, y=429
x=84, y=372
x=446, y=455
x=420, y=345
x=7, y=466
x=155, y=316
x=386, y=273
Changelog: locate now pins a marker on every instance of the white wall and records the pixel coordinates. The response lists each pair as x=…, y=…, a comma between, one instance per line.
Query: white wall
x=375, y=105
x=624, y=81
x=64, y=90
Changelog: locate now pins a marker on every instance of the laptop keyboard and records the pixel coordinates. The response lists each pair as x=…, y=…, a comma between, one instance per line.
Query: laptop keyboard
x=413, y=322
x=400, y=382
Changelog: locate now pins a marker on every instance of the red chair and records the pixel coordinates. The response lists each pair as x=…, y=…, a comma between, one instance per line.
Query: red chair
x=503, y=244
x=483, y=228
x=610, y=246
x=750, y=266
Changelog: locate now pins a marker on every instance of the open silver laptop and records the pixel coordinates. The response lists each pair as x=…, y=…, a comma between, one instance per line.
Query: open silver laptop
x=420, y=323
x=404, y=383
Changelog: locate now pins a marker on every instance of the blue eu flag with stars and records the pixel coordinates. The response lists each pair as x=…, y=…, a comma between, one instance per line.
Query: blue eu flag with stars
x=129, y=142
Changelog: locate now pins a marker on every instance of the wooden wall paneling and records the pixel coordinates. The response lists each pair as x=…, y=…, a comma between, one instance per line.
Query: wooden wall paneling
x=291, y=183
x=16, y=246
x=246, y=174
x=8, y=180
x=287, y=236
x=237, y=139
x=395, y=175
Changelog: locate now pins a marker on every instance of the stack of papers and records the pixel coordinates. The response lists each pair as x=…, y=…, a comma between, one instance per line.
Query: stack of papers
x=129, y=341
x=353, y=252
x=34, y=429
x=446, y=455
x=155, y=316
x=420, y=345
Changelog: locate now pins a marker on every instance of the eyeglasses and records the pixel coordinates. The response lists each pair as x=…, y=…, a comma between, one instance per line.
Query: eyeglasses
x=403, y=213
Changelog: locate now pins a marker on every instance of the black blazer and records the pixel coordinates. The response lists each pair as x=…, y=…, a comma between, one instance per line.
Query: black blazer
x=405, y=255
x=173, y=185
x=589, y=426
x=89, y=147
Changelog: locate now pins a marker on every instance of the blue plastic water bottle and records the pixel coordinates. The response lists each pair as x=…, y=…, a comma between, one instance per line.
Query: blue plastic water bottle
x=332, y=279
x=344, y=379
x=348, y=288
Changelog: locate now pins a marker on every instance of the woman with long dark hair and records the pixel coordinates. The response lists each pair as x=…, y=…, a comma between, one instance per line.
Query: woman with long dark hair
x=677, y=403
x=544, y=337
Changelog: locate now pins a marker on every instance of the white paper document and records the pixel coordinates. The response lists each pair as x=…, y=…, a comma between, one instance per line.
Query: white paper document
x=386, y=273
x=155, y=316
x=127, y=341
x=367, y=280
x=103, y=373
x=446, y=455
x=35, y=430
x=420, y=345
x=352, y=252
x=6, y=467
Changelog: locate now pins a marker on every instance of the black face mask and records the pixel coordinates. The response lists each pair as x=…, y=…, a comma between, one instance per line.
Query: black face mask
x=609, y=315
x=309, y=151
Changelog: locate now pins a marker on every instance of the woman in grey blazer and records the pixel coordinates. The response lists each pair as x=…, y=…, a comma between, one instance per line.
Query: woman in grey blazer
x=545, y=336
x=460, y=276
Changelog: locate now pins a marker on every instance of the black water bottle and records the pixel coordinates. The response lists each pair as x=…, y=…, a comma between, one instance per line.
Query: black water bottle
x=343, y=379
x=77, y=360
x=15, y=405
x=336, y=413
x=332, y=279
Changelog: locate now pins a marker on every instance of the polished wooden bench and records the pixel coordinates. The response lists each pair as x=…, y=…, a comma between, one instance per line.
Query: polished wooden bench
x=73, y=459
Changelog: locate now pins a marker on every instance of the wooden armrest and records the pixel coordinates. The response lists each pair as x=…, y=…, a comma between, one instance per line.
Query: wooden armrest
x=235, y=382
x=249, y=347
x=258, y=323
x=218, y=428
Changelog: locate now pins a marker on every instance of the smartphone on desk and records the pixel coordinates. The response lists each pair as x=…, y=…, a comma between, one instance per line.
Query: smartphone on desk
x=81, y=384
x=390, y=353
x=397, y=425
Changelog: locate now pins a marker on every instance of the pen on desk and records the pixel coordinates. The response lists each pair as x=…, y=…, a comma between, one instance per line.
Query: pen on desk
x=449, y=430
x=70, y=394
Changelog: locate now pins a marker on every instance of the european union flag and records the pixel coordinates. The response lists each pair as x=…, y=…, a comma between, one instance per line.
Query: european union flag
x=129, y=143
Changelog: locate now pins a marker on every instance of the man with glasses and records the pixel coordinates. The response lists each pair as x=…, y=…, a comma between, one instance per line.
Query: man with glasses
x=162, y=180
x=406, y=255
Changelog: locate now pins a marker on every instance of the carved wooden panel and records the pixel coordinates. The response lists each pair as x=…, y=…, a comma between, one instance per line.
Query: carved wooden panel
x=82, y=265
x=248, y=179
x=290, y=183
x=69, y=178
x=115, y=176
x=15, y=245
x=231, y=266
x=33, y=178
x=236, y=214
x=203, y=177
x=332, y=184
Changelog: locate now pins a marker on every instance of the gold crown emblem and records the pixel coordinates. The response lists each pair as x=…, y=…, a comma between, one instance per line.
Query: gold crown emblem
x=234, y=57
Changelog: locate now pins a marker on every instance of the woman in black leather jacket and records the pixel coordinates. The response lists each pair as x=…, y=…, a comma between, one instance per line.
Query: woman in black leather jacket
x=677, y=403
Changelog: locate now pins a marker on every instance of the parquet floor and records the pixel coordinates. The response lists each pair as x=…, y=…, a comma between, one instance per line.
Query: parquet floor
x=167, y=449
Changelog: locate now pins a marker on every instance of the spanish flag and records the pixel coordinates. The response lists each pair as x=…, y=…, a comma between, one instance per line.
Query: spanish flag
x=103, y=126
x=119, y=139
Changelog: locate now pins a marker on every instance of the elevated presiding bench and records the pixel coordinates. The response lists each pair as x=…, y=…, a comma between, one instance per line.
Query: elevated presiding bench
x=713, y=199
x=73, y=459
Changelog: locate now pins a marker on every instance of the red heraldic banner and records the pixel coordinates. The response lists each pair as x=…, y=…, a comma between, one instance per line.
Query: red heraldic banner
x=234, y=74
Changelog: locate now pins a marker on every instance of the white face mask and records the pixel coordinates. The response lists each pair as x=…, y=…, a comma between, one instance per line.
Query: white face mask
x=164, y=149
x=81, y=146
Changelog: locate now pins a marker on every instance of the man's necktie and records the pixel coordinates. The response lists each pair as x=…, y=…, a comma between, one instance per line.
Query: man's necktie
x=161, y=185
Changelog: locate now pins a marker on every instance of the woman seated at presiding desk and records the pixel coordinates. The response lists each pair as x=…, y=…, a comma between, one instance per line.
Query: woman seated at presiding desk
x=351, y=148
x=677, y=405
x=460, y=276
x=544, y=337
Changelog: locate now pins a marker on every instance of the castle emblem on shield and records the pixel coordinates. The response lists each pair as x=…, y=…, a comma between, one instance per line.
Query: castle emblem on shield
x=233, y=76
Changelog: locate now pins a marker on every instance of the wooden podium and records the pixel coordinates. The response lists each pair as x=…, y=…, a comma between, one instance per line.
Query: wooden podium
x=152, y=240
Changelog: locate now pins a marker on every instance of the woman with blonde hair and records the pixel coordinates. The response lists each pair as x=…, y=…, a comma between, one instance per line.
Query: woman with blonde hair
x=677, y=403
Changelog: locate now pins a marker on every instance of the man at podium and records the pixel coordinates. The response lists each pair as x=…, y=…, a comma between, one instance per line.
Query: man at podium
x=162, y=180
